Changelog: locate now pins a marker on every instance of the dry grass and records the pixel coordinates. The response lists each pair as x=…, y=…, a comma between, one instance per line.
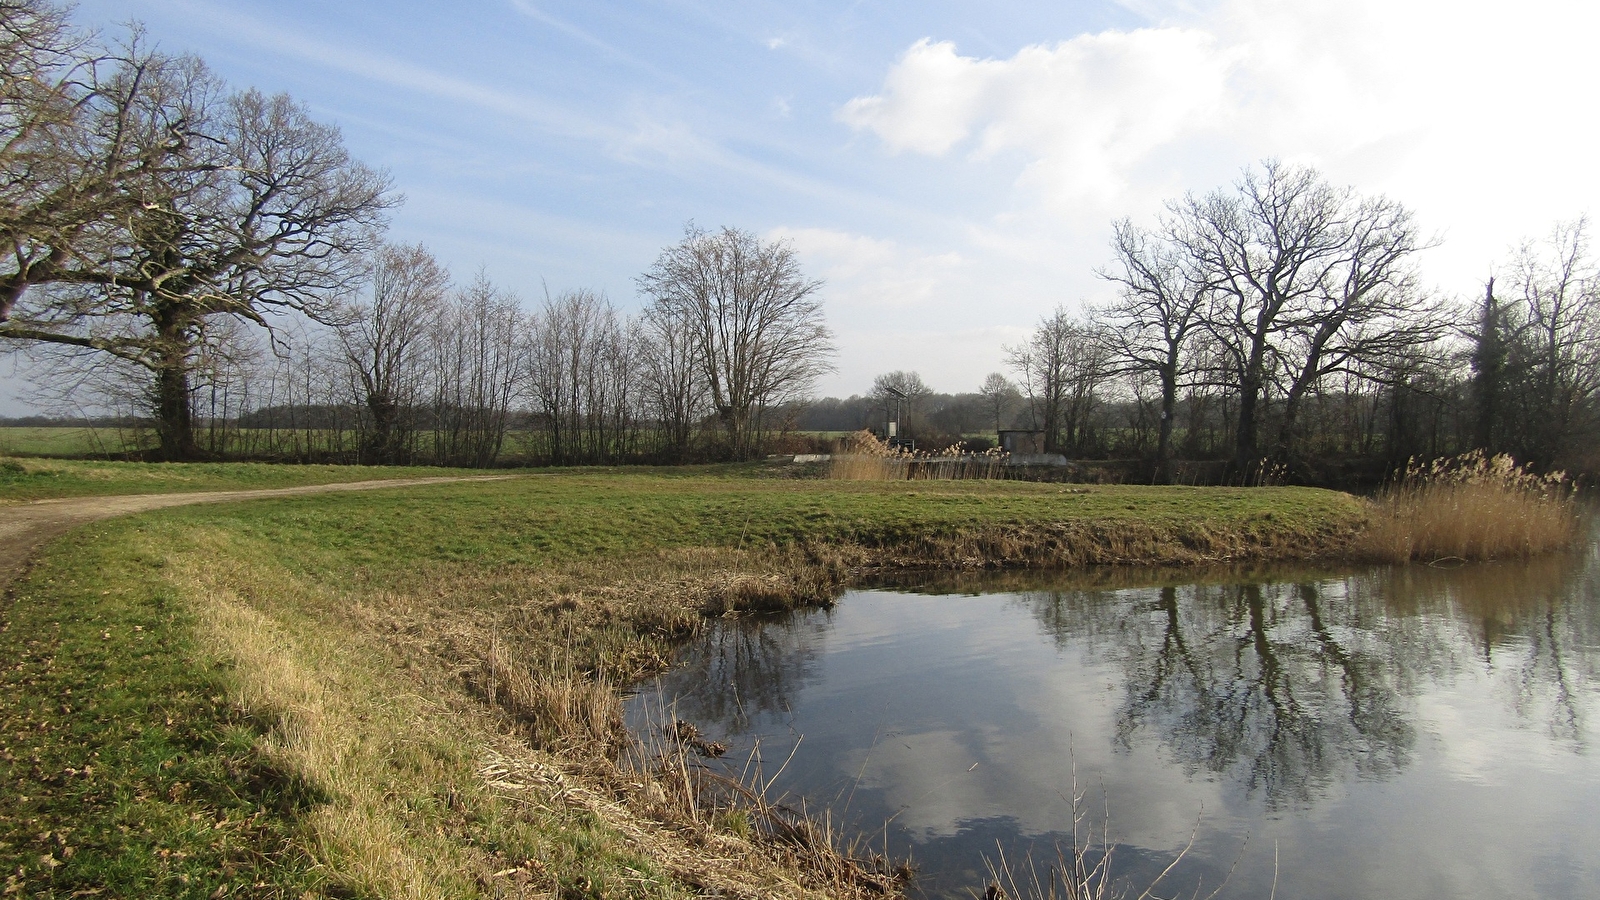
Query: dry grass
x=468, y=729
x=1472, y=508
x=867, y=458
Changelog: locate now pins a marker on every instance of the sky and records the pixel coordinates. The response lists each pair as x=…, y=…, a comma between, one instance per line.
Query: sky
x=949, y=169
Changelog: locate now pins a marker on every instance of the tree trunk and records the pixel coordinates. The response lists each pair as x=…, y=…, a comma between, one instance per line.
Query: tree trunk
x=380, y=448
x=1245, y=454
x=1169, y=405
x=174, y=414
x=1488, y=364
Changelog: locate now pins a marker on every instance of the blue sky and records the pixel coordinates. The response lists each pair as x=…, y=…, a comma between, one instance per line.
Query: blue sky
x=950, y=169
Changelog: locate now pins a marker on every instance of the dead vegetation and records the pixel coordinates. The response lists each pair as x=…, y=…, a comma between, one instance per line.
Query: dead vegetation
x=1472, y=507
x=867, y=458
x=477, y=709
x=500, y=689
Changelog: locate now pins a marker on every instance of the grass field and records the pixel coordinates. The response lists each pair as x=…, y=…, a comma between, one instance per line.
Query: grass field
x=40, y=479
x=412, y=693
x=64, y=442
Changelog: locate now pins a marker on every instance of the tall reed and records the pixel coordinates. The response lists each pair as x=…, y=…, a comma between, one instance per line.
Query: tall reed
x=1472, y=507
x=866, y=458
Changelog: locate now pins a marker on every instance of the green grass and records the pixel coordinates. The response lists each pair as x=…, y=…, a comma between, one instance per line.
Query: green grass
x=39, y=479
x=124, y=768
x=70, y=442
x=268, y=697
x=567, y=517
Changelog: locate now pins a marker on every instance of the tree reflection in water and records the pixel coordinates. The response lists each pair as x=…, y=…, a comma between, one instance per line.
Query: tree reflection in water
x=1274, y=684
x=1285, y=687
x=738, y=669
x=1290, y=687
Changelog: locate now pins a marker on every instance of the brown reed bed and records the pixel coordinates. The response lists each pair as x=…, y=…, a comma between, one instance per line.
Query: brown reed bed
x=866, y=458
x=667, y=774
x=1472, y=507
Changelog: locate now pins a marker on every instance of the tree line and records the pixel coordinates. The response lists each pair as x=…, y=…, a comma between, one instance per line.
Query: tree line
x=1279, y=326
x=215, y=259
x=1281, y=323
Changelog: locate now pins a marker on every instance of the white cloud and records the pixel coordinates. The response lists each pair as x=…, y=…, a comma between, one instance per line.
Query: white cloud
x=1475, y=115
x=870, y=273
x=1083, y=110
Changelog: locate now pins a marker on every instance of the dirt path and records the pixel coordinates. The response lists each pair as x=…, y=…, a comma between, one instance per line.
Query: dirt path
x=26, y=527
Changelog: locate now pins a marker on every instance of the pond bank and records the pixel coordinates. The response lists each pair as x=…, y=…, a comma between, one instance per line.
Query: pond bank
x=430, y=678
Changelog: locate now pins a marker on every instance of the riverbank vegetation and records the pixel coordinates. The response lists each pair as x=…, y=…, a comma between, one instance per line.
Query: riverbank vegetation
x=863, y=456
x=415, y=693
x=1472, y=507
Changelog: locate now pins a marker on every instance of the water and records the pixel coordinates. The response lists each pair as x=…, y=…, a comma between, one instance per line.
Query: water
x=1394, y=732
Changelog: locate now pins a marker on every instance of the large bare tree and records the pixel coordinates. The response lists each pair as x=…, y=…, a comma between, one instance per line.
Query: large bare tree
x=755, y=318
x=1305, y=279
x=1153, y=322
x=224, y=204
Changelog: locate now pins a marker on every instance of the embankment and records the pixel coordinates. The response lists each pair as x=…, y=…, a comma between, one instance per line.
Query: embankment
x=414, y=692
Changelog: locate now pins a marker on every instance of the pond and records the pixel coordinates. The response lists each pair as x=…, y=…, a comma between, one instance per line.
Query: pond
x=1394, y=732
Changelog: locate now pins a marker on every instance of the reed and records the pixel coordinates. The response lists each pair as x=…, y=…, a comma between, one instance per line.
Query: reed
x=866, y=458
x=693, y=786
x=1472, y=507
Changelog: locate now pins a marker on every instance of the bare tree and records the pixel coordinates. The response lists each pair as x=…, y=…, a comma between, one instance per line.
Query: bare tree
x=999, y=396
x=1061, y=368
x=671, y=379
x=475, y=356
x=1154, y=320
x=901, y=395
x=755, y=318
x=560, y=360
x=1542, y=347
x=1305, y=279
x=228, y=205
x=57, y=182
x=385, y=342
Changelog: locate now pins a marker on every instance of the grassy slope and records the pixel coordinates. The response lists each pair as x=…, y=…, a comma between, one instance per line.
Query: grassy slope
x=275, y=697
x=124, y=768
x=38, y=479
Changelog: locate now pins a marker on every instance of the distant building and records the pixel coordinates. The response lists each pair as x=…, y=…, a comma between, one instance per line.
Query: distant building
x=1023, y=442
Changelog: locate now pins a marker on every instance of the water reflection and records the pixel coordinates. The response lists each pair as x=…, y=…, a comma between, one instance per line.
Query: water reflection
x=1397, y=731
x=1282, y=687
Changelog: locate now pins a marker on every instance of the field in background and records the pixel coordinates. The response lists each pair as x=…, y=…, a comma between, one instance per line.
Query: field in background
x=66, y=442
